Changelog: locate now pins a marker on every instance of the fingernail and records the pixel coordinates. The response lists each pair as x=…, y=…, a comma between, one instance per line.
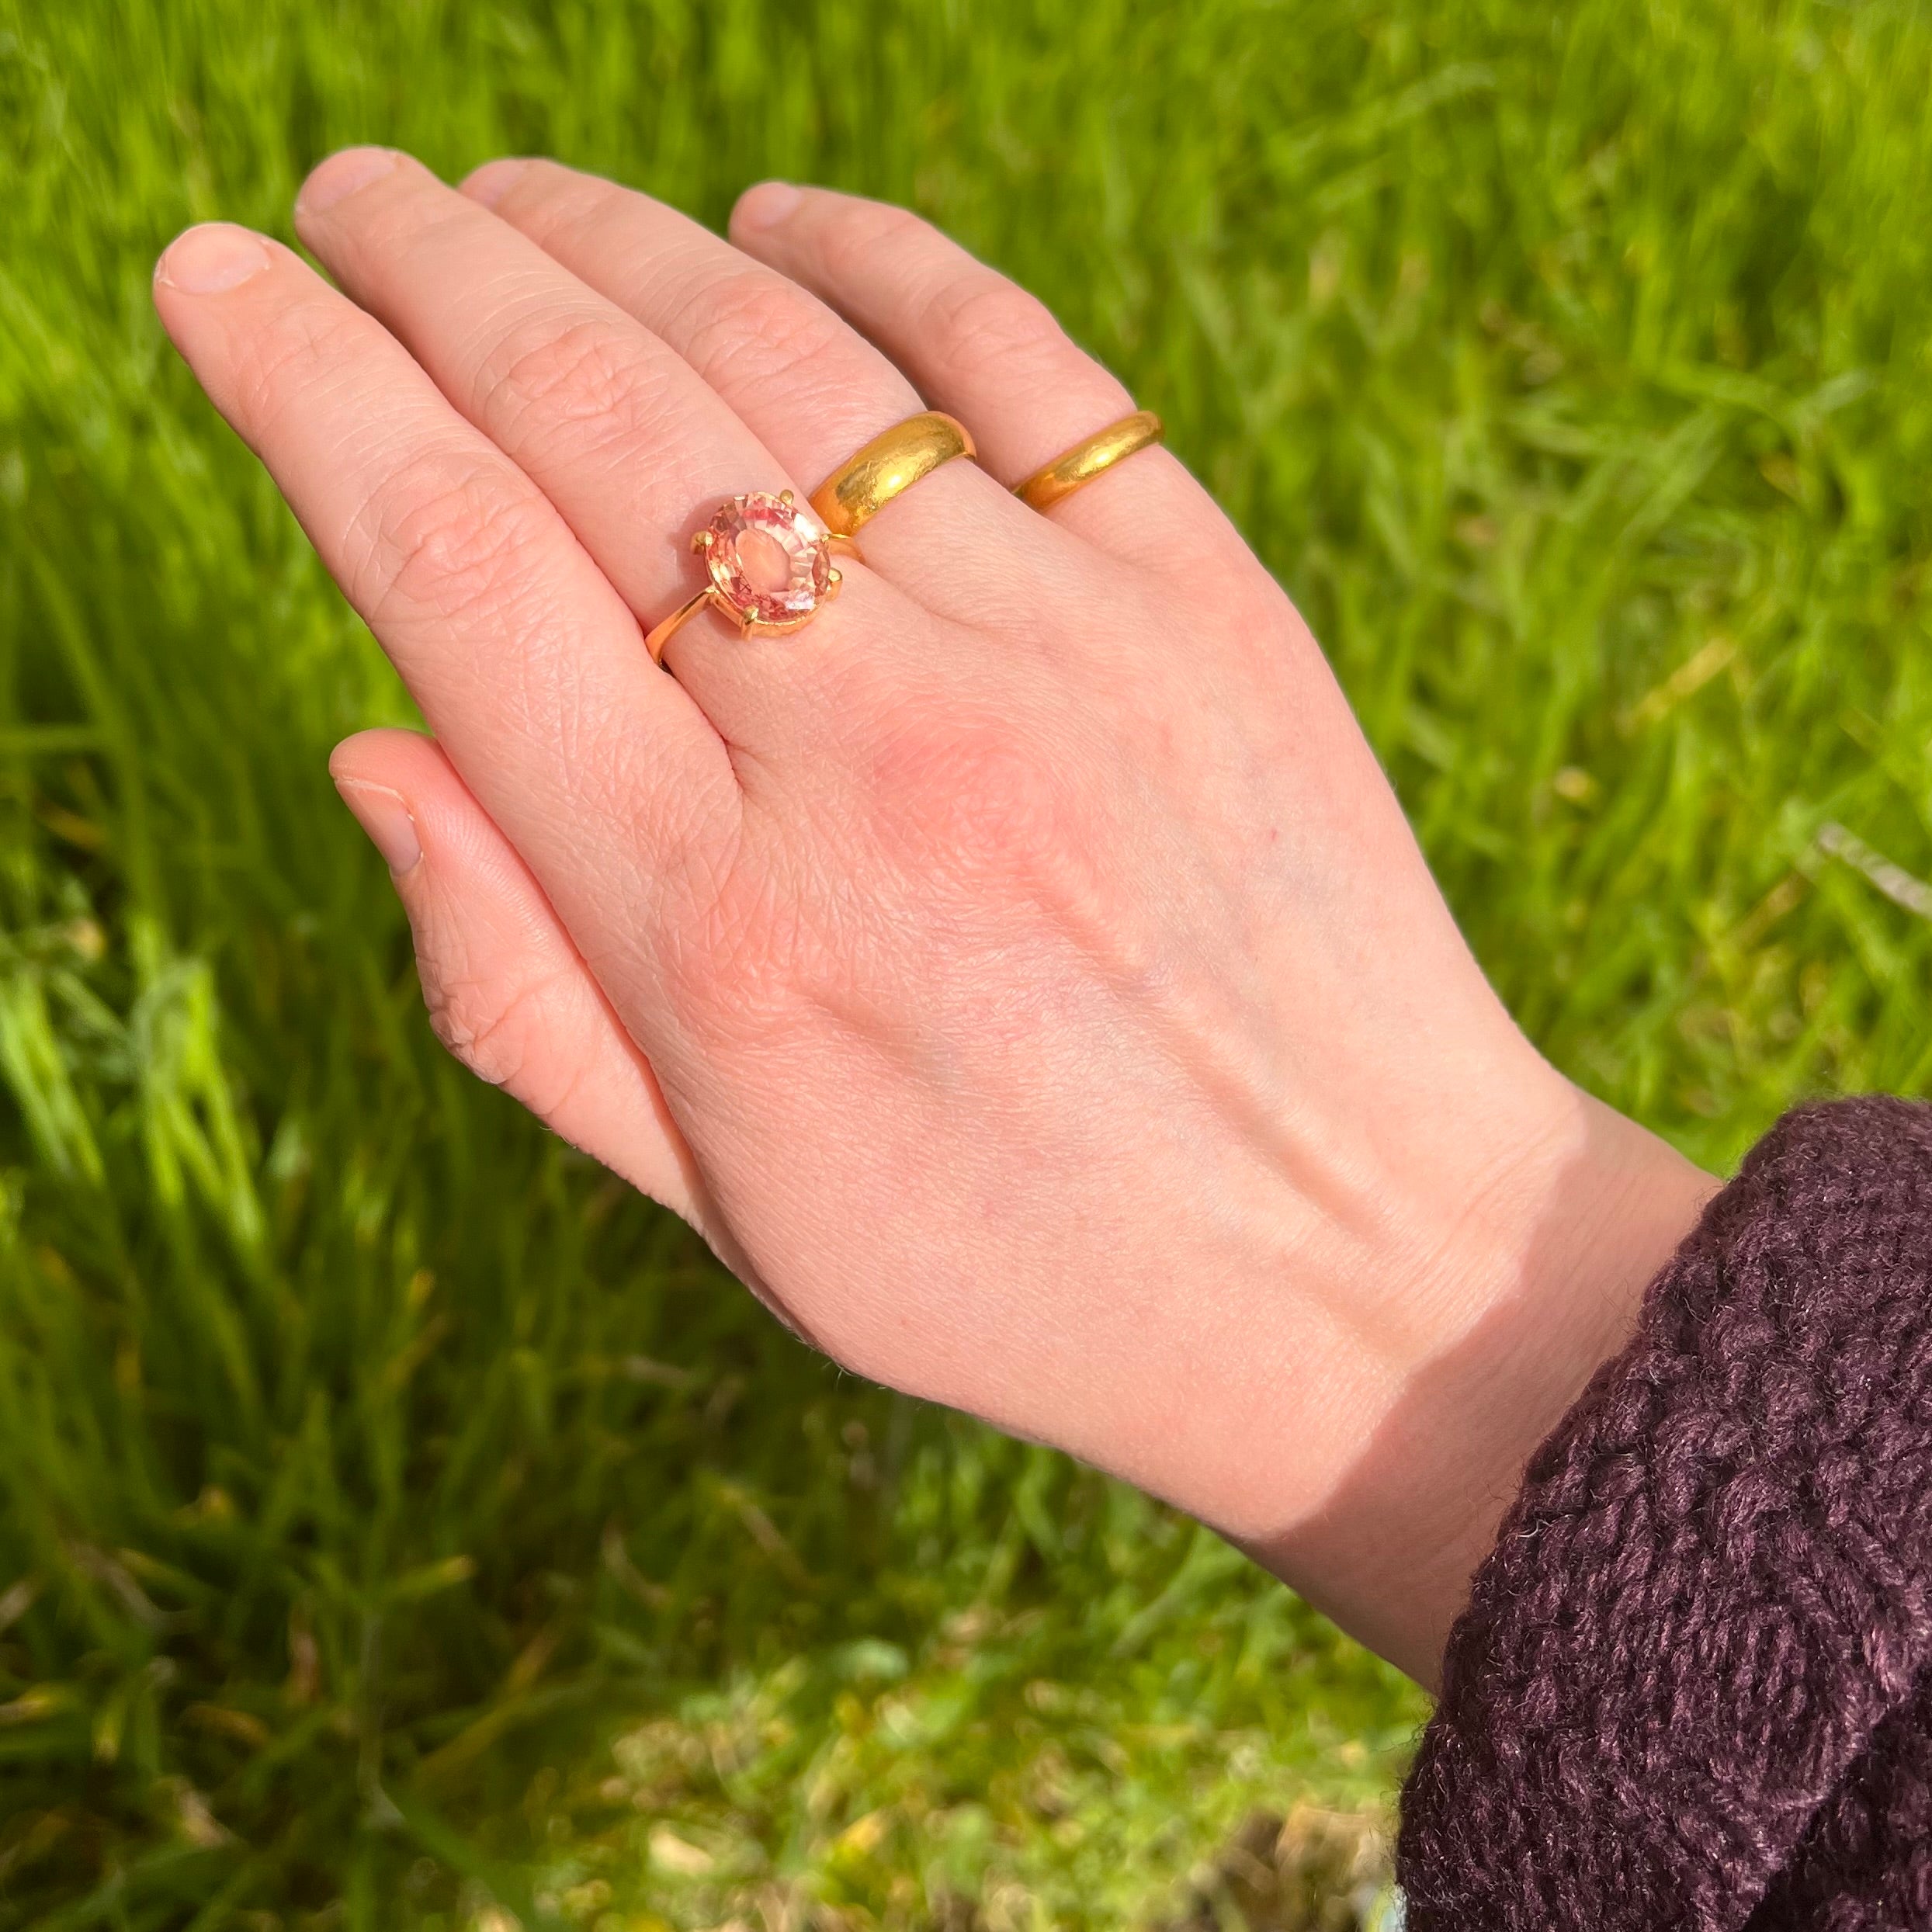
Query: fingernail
x=342, y=174
x=767, y=205
x=383, y=815
x=494, y=179
x=216, y=256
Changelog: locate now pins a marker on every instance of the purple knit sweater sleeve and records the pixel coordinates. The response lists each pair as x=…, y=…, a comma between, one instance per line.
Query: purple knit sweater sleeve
x=1693, y=1686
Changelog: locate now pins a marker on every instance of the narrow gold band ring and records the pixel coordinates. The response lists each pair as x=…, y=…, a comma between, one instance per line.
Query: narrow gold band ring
x=860, y=488
x=1073, y=468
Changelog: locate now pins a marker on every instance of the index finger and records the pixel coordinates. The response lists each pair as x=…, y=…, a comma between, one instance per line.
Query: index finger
x=528, y=664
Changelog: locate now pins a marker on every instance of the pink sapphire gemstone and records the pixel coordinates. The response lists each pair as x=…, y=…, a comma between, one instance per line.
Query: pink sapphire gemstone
x=770, y=559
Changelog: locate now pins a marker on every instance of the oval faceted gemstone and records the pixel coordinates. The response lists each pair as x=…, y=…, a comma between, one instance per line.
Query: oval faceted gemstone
x=770, y=559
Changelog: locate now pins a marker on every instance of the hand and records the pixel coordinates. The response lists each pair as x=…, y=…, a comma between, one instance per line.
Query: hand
x=1023, y=976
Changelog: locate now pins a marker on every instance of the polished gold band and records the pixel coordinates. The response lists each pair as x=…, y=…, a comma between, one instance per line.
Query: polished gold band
x=860, y=488
x=1080, y=464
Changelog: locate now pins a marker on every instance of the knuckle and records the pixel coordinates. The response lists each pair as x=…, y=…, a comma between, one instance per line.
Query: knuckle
x=588, y=380
x=390, y=227
x=505, y=1034
x=276, y=367
x=552, y=203
x=851, y=244
x=980, y=322
x=447, y=534
x=754, y=321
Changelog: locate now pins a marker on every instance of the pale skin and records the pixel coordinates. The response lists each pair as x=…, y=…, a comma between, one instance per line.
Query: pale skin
x=1023, y=977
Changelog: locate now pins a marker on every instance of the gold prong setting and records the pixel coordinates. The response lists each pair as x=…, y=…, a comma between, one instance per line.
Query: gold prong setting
x=769, y=560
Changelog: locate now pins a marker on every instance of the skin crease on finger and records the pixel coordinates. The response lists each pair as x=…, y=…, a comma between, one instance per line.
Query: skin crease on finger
x=1071, y=1031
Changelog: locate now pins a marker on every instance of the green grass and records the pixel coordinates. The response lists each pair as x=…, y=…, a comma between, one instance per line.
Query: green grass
x=396, y=1517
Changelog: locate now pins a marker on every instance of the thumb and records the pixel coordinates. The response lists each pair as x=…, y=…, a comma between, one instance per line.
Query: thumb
x=507, y=992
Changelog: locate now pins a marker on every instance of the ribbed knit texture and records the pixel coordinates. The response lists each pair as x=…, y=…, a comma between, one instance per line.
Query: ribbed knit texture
x=1692, y=1687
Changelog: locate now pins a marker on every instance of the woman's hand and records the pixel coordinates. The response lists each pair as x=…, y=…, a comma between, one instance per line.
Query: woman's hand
x=1023, y=976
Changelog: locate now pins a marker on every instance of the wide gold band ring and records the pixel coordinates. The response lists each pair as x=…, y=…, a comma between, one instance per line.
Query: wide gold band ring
x=860, y=488
x=770, y=567
x=1074, y=468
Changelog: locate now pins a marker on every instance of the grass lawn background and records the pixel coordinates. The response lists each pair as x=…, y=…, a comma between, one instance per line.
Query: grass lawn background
x=401, y=1526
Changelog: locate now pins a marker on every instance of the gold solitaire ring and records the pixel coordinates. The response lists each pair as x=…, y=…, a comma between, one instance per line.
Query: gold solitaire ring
x=1073, y=468
x=769, y=559
x=770, y=564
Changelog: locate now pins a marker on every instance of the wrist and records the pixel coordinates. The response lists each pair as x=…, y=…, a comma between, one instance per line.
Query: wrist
x=1538, y=1281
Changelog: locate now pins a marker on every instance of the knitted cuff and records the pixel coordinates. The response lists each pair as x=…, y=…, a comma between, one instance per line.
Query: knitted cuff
x=1700, y=1642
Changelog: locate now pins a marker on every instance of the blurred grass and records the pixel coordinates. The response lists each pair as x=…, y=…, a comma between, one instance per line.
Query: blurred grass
x=400, y=1527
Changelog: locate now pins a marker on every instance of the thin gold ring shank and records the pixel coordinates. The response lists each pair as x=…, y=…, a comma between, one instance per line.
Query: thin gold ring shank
x=860, y=488
x=660, y=635
x=1075, y=468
